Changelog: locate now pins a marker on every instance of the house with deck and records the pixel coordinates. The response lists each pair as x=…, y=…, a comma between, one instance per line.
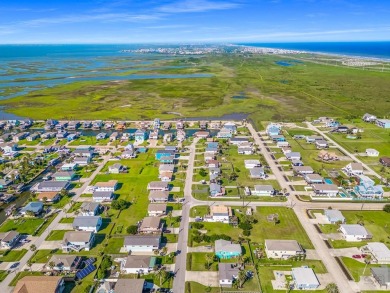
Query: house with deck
x=77, y=241
x=90, y=208
x=158, y=196
x=325, y=189
x=110, y=185
x=227, y=274
x=367, y=189
x=142, y=243
x=138, y=264
x=150, y=225
x=353, y=169
x=87, y=223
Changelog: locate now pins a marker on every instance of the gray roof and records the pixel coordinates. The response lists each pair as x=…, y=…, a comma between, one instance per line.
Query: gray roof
x=158, y=184
x=303, y=169
x=63, y=260
x=52, y=184
x=124, y=285
x=215, y=187
x=64, y=174
x=105, y=194
x=284, y=245
x=77, y=236
x=257, y=171
x=382, y=275
x=305, y=276
x=166, y=167
x=148, y=240
x=264, y=188
x=8, y=236
x=227, y=271
x=325, y=187
x=157, y=194
x=86, y=221
x=137, y=261
x=228, y=246
x=150, y=223
x=334, y=214
x=34, y=206
x=293, y=154
x=379, y=250
x=314, y=177
x=157, y=207
x=354, y=229
x=89, y=206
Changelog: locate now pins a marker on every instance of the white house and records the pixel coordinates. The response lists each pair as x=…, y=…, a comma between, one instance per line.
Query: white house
x=138, y=264
x=142, y=243
x=372, y=153
x=263, y=190
x=293, y=156
x=228, y=273
x=89, y=208
x=102, y=196
x=249, y=164
x=283, y=249
x=305, y=278
x=87, y=223
x=325, y=189
x=353, y=169
x=77, y=240
x=321, y=144
x=157, y=209
x=110, y=185
x=219, y=213
x=379, y=251
x=245, y=150
x=354, y=232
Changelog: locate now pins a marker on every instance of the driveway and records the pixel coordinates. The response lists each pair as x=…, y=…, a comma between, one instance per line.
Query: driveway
x=204, y=278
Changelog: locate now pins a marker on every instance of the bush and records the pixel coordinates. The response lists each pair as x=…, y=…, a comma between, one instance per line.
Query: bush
x=197, y=225
x=132, y=230
x=120, y=204
x=246, y=232
x=386, y=208
x=245, y=225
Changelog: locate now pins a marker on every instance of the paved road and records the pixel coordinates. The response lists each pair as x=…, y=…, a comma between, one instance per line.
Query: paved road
x=4, y=284
x=312, y=127
x=181, y=259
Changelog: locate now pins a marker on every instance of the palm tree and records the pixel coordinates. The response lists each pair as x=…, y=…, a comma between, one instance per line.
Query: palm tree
x=33, y=247
x=209, y=259
x=367, y=260
x=241, y=278
x=51, y=264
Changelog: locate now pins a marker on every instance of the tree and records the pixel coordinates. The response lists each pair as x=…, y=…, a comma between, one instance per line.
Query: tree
x=33, y=247
x=332, y=288
x=386, y=208
x=367, y=260
x=209, y=259
x=202, y=172
x=119, y=204
x=132, y=230
x=29, y=264
x=241, y=278
x=52, y=264
x=100, y=274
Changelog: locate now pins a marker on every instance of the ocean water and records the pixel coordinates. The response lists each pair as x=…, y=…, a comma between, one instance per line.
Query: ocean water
x=379, y=50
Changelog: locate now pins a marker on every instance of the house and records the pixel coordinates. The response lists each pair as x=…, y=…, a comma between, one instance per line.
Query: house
x=111, y=185
x=77, y=241
x=9, y=239
x=226, y=249
x=385, y=161
x=153, y=134
x=142, y=243
x=168, y=137
x=87, y=124
x=353, y=169
x=117, y=168
x=228, y=273
x=9, y=147
x=130, y=154
x=52, y=186
x=282, y=144
x=64, y=263
x=369, y=118
x=384, y=123
x=208, y=156
x=321, y=144
x=203, y=125
x=69, y=167
x=140, y=136
x=366, y=188
x=158, y=185
x=90, y=208
x=286, y=150
x=381, y=276
x=314, y=179
x=167, y=125
x=61, y=134
x=213, y=164
x=165, y=176
x=214, y=171
x=35, y=207
x=257, y=173
x=48, y=196
x=157, y=209
x=305, y=278
x=245, y=150
x=72, y=136
x=156, y=123
x=379, y=251
x=325, y=189
x=87, y=223
x=297, y=163
x=73, y=125
x=313, y=138
x=327, y=156
x=277, y=138
x=263, y=190
x=102, y=196
x=20, y=136
x=238, y=140
x=101, y=135
x=97, y=124
x=83, y=151
x=342, y=129
x=230, y=126
x=249, y=164
x=224, y=133
x=114, y=136
x=220, y=213
x=41, y=284
x=303, y=170
x=158, y=196
x=273, y=129
x=64, y=176
x=216, y=190
x=138, y=264
x=354, y=232
x=372, y=153
x=283, y=249
x=293, y=156
x=166, y=168
x=334, y=216
x=167, y=160
x=82, y=161
x=181, y=135
x=150, y=225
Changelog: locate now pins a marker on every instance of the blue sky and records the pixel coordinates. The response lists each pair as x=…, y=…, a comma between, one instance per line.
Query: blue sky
x=168, y=21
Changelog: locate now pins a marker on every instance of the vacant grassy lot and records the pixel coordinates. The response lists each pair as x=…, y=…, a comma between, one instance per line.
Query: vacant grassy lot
x=192, y=287
x=22, y=225
x=56, y=235
x=356, y=268
x=12, y=255
x=272, y=92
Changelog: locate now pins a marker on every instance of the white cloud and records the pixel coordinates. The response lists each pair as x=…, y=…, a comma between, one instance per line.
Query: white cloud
x=187, y=6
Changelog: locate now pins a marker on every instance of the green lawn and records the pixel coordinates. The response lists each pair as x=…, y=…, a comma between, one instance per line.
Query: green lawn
x=22, y=225
x=3, y=275
x=329, y=228
x=67, y=220
x=193, y=287
x=356, y=268
x=114, y=245
x=75, y=207
x=42, y=255
x=56, y=235
x=12, y=255
x=196, y=262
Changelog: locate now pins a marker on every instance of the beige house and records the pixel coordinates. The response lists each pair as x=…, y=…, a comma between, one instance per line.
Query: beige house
x=283, y=249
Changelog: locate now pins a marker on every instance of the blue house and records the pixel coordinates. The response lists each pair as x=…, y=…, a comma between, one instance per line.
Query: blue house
x=230, y=126
x=367, y=188
x=333, y=124
x=278, y=138
x=167, y=159
x=273, y=129
x=334, y=216
x=142, y=150
x=384, y=123
x=213, y=145
x=226, y=249
x=72, y=136
x=140, y=136
x=35, y=206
